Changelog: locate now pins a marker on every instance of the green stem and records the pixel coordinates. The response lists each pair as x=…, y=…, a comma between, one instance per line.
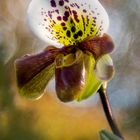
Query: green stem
x=108, y=112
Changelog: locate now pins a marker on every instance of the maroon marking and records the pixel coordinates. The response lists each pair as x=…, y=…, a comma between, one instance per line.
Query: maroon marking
x=66, y=14
x=73, y=29
x=74, y=12
x=66, y=7
x=64, y=28
x=57, y=11
x=53, y=3
x=59, y=18
x=77, y=5
x=84, y=10
x=80, y=33
x=75, y=36
x=68, y=33
x=76, y=18
x=83, y=22
x=65, y=18
x=61, y=2
x=63, y=24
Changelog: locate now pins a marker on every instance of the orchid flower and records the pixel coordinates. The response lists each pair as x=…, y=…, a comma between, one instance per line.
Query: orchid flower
x=78, y=55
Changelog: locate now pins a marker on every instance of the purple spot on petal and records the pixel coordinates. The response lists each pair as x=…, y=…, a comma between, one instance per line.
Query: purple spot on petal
x=57, y=11
x=61, y=2
x=64, y=28
x=76, y=18
x=77, y=5
x=66, y=7
x=80, y=33
x=49, y=14
x=73, y=29
x=63, y=24
x=84, y=10
x=74, y=12
x=53, y=3
x=75, y=36
x=65, y=18
x=66, y=14
x=59, y=18
x=68, y=33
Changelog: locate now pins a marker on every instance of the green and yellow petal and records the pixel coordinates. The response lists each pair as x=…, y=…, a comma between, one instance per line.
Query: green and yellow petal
x=34, y=72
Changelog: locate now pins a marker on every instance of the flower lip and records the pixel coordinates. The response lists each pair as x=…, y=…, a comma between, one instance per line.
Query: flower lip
x=76, y=80
x=67, y=21
x=69, y=78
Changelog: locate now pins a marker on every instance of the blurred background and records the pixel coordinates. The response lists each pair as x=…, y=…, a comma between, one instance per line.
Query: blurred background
x=50, y=119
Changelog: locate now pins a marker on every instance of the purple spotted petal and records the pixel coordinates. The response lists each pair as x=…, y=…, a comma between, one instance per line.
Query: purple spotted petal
x=66, y=22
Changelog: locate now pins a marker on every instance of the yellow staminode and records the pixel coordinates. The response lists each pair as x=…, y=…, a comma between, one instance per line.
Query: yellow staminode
x=74, y=32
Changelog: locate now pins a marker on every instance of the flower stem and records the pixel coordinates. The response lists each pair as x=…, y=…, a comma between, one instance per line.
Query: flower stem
x=108, y=112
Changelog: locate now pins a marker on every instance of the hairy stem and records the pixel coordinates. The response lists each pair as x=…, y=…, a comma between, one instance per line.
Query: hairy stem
x=108, y=112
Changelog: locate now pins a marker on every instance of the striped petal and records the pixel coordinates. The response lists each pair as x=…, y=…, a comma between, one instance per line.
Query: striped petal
x=66, y=22
x=34, y=72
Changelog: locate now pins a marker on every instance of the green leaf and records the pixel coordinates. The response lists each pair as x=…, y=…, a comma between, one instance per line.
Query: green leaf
x=34, y=72
x=105, y=135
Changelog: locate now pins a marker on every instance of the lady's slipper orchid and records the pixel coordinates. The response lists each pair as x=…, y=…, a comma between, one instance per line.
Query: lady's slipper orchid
x=82, y=65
